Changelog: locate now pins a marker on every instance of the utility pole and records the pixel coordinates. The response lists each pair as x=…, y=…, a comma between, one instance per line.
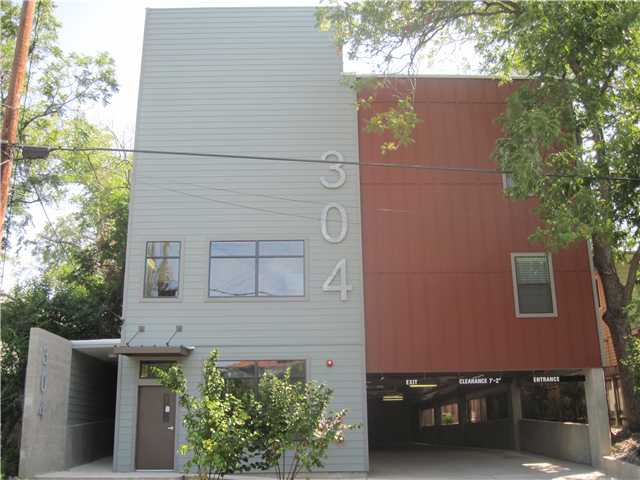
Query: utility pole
x=12, y=108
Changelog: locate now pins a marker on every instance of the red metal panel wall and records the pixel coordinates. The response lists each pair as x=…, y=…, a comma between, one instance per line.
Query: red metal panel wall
x=437, y=245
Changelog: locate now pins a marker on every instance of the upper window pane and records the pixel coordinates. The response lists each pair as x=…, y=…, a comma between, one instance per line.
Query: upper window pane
x=147, y=368
x=162, y=277
x=232, y=277
x=239, y=369
x=279, y=367
x=291, y=248
x=532, y=269
x=233, y=249
x=244, y=375
x=281, y=277
x=533, y=278
x=163, y=249
x=260, y=268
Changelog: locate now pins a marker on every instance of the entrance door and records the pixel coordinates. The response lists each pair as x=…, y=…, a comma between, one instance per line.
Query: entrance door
x=156, y=428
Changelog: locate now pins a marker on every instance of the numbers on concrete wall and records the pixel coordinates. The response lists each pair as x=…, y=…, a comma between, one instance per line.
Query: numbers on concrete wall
x=337, y=280
x=44, y=360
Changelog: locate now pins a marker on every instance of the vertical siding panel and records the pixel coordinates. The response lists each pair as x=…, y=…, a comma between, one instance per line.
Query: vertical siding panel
x=457, y=240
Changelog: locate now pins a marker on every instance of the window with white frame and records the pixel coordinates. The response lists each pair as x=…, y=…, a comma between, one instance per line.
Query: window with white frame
x=162, y=269
x=507, y=181
x=260, y=268
x=534, y=291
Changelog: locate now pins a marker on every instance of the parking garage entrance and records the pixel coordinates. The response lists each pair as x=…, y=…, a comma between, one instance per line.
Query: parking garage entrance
x=510, y=411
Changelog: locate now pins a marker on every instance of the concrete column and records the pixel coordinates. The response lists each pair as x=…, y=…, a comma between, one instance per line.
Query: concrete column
x=516, y=413
x=598, y=415
x=46, y=396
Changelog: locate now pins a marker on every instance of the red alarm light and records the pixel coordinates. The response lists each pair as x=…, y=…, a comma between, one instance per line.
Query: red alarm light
x=329, y=363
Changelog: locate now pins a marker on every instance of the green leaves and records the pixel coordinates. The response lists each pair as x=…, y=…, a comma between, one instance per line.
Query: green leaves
x=295, y=419
x=400, y=121
x=57, y=86
x=220, y=437
x=229, y=432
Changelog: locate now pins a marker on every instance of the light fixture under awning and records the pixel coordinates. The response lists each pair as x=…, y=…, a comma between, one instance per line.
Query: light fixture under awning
x=152, y=351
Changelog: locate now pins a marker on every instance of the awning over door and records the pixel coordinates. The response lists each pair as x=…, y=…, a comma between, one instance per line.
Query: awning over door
x=152, y=351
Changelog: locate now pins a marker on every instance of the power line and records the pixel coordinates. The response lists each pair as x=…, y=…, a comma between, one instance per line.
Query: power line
x=438, y=168
x=235, y=204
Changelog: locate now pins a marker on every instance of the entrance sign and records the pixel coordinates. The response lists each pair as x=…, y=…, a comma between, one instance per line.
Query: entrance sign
x=556, y=378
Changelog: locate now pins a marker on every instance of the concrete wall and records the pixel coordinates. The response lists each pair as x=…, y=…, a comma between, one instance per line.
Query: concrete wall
x=90, y=420
x=492, y=434
x=44, y=419
x=568, y=441
x=256, y=81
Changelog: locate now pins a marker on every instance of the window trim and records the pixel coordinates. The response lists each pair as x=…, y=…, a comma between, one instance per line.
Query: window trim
x=306, y=361
x=514, y=281
x=257, y=257
x=177, y=298
x=505, y=186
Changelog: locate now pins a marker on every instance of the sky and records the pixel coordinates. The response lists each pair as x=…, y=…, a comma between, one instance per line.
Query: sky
x=117, y=27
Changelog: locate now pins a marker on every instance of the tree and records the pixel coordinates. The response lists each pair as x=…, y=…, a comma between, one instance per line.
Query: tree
x=571, y=133
x=57, y=86
x=295, y=418
x=633, y=362
x=220, y=433
x=78, y=291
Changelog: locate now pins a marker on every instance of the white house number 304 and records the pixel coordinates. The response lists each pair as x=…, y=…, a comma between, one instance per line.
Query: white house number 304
x=337, y=279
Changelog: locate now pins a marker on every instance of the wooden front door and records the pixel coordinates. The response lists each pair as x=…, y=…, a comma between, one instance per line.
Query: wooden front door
x=155, y=439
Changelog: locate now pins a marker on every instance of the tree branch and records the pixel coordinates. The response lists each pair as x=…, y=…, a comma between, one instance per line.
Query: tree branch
x=632, y=274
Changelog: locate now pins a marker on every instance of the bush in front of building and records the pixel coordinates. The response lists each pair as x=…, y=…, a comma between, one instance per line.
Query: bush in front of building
x=231, y=430
x=220, y=433
x=295, y=419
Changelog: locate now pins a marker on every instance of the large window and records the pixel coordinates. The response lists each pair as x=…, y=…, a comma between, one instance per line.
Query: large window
x=244, y=375
x=449, y=414
x=533, y=285
x=162, y=269
x=263, y=268
x=560, y=402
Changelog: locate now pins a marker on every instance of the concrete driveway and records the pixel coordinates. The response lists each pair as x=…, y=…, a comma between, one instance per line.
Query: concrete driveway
x=425, y=462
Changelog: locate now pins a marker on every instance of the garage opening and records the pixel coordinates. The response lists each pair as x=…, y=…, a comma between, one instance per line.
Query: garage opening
x=497, y=411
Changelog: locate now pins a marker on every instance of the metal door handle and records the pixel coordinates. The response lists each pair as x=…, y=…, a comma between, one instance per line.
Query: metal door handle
x=169, y=428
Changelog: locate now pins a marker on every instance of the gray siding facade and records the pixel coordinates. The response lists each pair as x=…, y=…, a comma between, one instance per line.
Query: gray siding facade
x=249, y=81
